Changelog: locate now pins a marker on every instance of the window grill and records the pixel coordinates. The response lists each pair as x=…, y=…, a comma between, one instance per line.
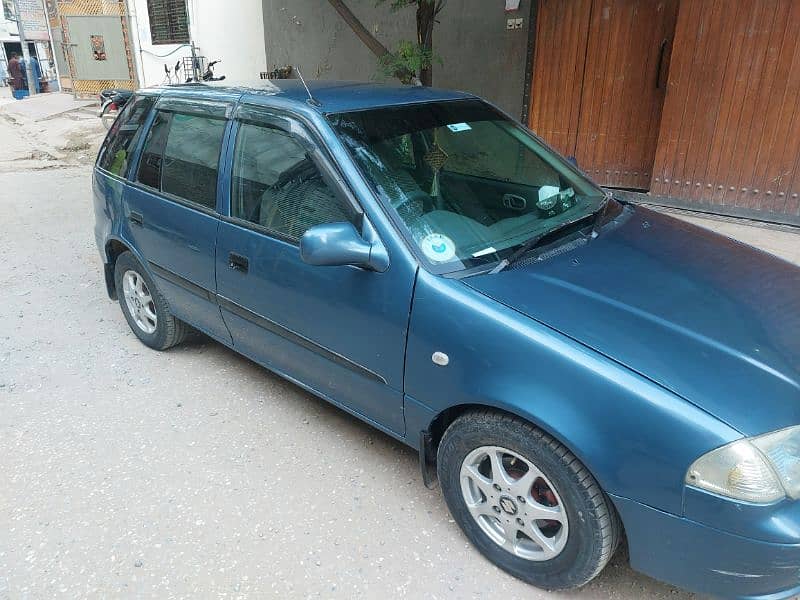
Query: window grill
x=169, y=22
x=8, y=10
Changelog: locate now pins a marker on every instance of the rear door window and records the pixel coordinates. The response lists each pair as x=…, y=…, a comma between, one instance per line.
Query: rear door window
x=181, y=156
x=115, y=155
x=153, y=151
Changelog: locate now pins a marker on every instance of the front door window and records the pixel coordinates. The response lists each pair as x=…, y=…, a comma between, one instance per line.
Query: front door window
x=277, y=185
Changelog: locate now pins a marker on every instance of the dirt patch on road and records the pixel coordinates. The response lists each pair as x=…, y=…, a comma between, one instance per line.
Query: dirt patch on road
x=69, y=138
x=79, y=147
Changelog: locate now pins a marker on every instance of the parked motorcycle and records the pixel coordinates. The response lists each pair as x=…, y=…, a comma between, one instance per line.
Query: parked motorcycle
x=111, y=102
x=209, y=74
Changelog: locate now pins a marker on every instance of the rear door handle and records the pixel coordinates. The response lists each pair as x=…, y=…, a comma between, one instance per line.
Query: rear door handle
x=237, y=262
x=136, y=218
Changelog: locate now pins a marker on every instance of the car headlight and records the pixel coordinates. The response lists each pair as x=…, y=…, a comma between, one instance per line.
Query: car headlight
x=760, y=469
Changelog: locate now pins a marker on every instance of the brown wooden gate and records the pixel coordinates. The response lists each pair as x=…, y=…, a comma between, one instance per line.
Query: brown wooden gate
x=730, y=131
x=599, y=82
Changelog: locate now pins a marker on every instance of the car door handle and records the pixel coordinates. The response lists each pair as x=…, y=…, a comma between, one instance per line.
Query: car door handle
x=237, y=262
x=135, y=218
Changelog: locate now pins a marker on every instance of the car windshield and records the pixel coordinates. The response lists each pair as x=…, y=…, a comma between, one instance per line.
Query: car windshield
x=468, y=183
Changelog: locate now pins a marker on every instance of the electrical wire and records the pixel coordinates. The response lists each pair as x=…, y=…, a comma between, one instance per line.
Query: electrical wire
x=164, y=55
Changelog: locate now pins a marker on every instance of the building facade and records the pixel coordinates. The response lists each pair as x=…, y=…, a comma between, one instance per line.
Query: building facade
x=37, y=40
x=690, y=103
x=128, y=43
x=232, y=33
x=478, y=51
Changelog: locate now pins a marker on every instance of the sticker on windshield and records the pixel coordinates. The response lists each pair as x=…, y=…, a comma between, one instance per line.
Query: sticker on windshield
x=456, y=127
x=438, y=247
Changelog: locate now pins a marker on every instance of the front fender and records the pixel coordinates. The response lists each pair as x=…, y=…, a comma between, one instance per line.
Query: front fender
x=635, y=437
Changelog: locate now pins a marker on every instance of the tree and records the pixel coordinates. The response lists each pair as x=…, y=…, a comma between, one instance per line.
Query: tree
x=412, y=62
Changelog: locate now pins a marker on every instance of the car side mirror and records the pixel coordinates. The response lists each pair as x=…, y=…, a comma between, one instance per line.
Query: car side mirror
x=339, y=244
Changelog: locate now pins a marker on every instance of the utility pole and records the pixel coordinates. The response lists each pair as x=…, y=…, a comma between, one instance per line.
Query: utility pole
x=26, y=56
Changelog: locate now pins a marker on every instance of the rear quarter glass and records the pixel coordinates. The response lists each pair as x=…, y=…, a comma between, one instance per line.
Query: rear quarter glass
x=115, y=153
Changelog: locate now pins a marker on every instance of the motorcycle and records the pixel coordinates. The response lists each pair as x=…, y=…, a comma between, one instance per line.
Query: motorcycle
x=208, y=75
x=111, y=102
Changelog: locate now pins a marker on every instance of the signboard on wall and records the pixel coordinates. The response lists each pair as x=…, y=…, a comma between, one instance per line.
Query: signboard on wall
x=33, y=20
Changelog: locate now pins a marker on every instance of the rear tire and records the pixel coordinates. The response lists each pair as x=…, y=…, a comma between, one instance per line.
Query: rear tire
x=525, y=501
x=144, y=307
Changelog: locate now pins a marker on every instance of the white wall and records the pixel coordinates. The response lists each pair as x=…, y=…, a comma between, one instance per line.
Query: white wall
x=231, y=31
x=9, y=32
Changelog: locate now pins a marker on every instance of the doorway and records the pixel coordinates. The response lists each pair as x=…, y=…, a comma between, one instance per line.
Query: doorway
x=16, y=47
x=599, y=82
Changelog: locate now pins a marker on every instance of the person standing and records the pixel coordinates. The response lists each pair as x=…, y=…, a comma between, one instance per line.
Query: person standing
x=36, y=69
x=16, y=73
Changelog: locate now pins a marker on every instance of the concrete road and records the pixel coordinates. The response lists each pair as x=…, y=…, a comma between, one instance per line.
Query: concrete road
x=194, y=473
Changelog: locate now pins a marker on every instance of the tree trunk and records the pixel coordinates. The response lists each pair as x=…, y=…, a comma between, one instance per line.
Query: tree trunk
x=370, y=41
x=426, y=14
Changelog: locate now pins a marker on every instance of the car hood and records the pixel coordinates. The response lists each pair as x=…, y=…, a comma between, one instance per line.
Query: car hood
x=711, y=319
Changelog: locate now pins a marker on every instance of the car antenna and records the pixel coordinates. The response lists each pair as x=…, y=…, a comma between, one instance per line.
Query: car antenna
x=311, y=100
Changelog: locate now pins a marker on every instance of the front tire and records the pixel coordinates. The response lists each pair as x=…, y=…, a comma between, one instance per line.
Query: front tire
x=144, y=307
x=525, y=501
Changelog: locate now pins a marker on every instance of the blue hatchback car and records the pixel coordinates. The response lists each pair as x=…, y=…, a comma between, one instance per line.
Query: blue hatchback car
x=576, y=370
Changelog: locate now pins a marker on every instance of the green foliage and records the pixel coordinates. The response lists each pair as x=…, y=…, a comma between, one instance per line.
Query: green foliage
x=411, y=62
x=409, y=58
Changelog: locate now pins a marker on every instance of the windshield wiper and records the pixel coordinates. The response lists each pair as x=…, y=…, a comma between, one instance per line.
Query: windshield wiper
x=532, y=242
x=522, y=250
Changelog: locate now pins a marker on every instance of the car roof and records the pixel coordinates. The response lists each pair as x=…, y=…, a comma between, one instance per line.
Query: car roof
x=333, y=96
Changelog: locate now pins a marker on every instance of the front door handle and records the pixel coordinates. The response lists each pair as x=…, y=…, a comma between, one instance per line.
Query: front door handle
x=237, y=262
x=135, y=218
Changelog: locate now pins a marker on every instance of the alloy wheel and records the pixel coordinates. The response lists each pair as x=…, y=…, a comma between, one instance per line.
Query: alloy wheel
x=139, y=301
x=514, y=503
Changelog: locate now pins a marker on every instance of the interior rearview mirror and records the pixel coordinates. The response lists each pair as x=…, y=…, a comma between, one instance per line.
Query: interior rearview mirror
x=338, y=244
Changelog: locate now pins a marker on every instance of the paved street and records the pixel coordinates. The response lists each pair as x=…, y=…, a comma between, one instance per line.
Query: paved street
x=195, y=473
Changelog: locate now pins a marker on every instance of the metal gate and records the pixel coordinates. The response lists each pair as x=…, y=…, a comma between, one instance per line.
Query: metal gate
x=96, y=43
